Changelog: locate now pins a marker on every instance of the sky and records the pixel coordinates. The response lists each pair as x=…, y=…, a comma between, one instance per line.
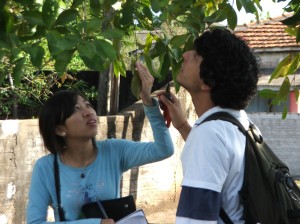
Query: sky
x=274, y=9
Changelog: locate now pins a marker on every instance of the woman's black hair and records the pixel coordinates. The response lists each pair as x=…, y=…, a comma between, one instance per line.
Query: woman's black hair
x=54, y=112
x=229, y=68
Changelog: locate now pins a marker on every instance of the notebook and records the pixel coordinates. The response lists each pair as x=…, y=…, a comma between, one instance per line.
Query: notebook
x=137, y=217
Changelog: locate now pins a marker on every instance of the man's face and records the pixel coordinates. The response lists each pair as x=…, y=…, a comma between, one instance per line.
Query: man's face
x=189, y=75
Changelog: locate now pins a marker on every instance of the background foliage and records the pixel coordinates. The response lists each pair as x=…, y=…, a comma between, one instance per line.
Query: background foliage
x=71, y=35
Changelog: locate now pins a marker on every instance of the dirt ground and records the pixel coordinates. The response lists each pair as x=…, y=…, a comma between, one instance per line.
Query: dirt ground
x=162, y=216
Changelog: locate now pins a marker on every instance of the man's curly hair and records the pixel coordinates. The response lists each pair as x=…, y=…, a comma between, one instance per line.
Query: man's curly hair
x=228, y=67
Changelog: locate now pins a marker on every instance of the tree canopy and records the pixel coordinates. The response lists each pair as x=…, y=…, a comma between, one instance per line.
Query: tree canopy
x=54, y=32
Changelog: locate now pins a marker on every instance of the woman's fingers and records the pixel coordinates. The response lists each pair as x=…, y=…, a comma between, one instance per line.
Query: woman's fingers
x=146, y=83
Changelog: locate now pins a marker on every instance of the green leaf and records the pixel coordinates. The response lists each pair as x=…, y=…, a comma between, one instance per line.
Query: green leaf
x=67, y=17
x=158, y=49
x=113, y=34
x=164, y=65
x=88, y=53
x=36, y=55
x=148, y=61
x=248, y=5
x=218, y=16
x=119, y=68
x=179, y=40
x=281, y=69
x=284, y=113
x=135, y=85
x=34, y=18
x=50, y=11
x=293, y=20
x=95, y=7
x=7, y=21
x=176, y=66
x=294, y=64
x=91, y=26
x=111, y=2
x=157, y=5
x=16, y=54
x=176, y=53
x=62, y=60
x=58, y=43
x=3, y=45
x=148, y=43
x=297, y=34
x=267, y=93
x=76, y=3
x=147, y=12
x=126, y=14
x=231, y=17
x=105, y=50
x=284, y=90
x=189, y=44
x=18, y=71
x=39, y=33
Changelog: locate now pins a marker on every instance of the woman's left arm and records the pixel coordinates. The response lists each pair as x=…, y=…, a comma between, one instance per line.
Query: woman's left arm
x=140, y=153
x=162, y=139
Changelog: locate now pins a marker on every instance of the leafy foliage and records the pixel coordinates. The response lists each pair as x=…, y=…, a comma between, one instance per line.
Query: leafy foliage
x=54, y=33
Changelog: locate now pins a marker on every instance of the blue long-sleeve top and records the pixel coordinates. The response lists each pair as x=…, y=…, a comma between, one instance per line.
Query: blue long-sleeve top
x=102, y=177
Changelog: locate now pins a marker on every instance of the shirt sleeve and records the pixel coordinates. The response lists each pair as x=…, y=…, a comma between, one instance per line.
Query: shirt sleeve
x=205, y=159
x=135, y=153
x=197, y=204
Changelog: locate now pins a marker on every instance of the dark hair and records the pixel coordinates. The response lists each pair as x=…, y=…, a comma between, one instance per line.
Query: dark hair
x=228, y=67
x=55, y=111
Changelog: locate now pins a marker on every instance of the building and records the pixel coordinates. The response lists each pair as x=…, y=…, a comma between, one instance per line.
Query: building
x=271, y=44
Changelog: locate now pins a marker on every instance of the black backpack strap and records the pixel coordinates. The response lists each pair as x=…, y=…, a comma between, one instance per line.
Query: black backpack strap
x=57, y=187
x=225, y=218
x=225, y=116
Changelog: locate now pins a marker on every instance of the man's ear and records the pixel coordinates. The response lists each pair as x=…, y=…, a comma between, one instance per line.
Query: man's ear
x=205, y=87
x=59, y=130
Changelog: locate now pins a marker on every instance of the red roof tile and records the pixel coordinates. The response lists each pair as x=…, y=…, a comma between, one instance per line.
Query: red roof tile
x=267, y=34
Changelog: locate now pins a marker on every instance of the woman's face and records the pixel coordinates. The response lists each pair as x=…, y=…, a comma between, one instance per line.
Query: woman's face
x=82, y=123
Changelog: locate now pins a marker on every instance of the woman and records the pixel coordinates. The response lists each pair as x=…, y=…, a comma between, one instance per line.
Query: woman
x=89, y=170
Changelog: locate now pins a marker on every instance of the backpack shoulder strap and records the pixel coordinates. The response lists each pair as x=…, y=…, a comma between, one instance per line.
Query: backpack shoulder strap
x=225, y=116
x=251, y=134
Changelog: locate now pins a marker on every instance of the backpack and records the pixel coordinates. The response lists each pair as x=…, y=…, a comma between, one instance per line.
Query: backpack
x=269, y=194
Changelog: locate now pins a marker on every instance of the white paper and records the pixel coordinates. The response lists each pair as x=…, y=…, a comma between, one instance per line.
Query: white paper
x=137, y=217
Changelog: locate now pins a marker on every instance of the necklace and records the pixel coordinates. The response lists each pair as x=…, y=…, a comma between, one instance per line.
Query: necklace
x=83, y=165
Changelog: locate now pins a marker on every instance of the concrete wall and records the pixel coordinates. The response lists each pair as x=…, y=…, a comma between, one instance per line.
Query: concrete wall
x=155, y=186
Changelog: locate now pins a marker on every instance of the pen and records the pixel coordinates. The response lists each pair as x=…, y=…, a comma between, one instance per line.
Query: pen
x=102, y=209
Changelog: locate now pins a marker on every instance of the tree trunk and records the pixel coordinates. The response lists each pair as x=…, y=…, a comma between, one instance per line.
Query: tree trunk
x=102, y=93
x=108, y=93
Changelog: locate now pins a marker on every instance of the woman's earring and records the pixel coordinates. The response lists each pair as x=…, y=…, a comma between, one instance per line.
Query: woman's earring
x=64, y=134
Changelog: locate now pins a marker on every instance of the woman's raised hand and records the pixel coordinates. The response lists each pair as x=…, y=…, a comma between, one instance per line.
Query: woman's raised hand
x=146, y=83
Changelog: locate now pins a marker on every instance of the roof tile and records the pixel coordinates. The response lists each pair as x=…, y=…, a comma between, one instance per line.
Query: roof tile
x=267, y=34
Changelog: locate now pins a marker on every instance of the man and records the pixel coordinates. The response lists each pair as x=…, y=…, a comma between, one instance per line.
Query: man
x=221, y=74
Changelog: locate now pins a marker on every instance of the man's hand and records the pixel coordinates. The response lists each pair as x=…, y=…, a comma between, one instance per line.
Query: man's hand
x=175, y=113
